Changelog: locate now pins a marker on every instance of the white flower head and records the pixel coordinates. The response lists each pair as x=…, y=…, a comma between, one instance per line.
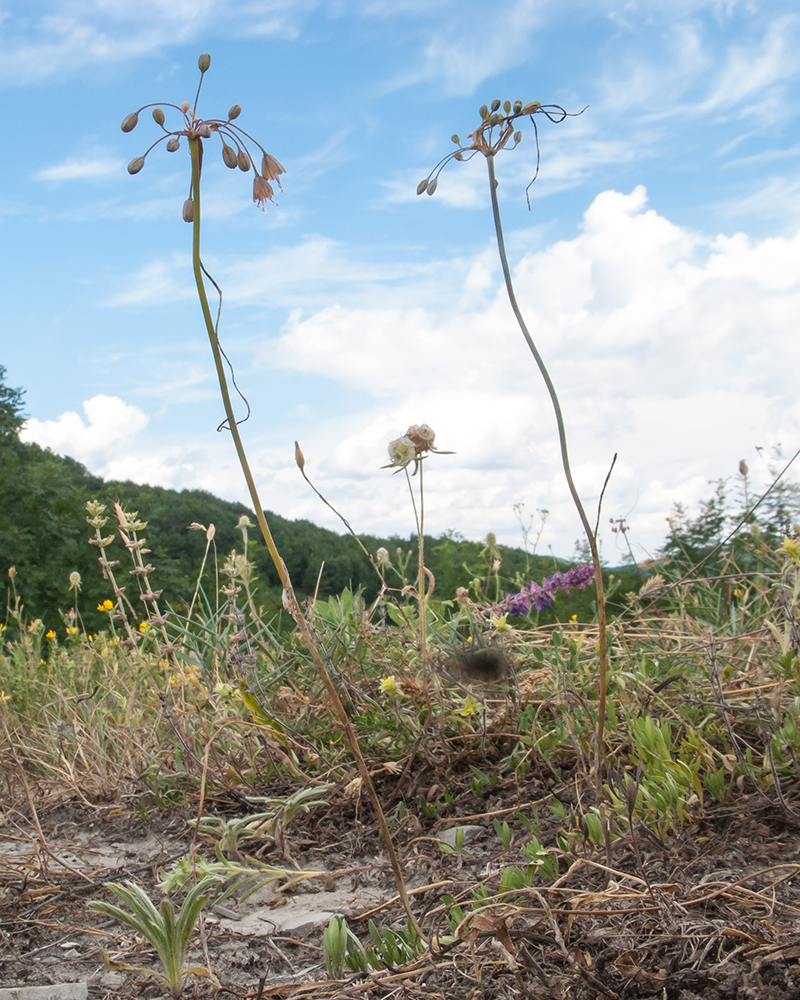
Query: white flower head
x=402, y=451
x=382, y=556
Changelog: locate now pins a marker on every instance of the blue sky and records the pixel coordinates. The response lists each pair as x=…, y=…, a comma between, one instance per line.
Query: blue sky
x=659, y=267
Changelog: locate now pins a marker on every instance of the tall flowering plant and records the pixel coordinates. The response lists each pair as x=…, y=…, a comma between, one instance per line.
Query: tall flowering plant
x=237, y=146
x=499, y=130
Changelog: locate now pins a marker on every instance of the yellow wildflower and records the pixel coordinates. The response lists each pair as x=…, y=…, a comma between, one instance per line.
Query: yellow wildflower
x=143, y=627
x=469, y=708
x=72, y=630
x=49, y=634
x=4, y=697
x=106, y=605
x=500, y=624
x=390, y=688
x=791, y=549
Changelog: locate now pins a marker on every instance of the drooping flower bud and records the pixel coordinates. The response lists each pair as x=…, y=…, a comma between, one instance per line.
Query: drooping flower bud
x=229, y=157
x=483, y=111
x=517, y=107
x=243, y=160
x=432, y=186
x=507, y=107
x=204, y=131
x=173, y=144
x=495, y=104
x=129, y=122
x=204, y=62
x=188, y=210
x=158, y=116
x=299, y=457
x=422, y=186
x=136, y=165
x=185, y=106
x=235, y=111
x=262, y=190
x=271, y=168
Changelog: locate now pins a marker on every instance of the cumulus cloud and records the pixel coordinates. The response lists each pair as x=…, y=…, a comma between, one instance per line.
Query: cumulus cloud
x=111, y=426
x=674, y=349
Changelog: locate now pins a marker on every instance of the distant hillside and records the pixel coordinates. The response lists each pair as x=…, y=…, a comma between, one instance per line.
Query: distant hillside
x=44, y=536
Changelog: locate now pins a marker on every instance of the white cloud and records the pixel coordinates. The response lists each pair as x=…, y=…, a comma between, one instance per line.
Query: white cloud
x=82, y=168
x=111, y=427
x=675, y=349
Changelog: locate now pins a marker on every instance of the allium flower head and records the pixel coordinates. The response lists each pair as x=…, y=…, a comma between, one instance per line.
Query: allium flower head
x=382, y=556
x=236, y=143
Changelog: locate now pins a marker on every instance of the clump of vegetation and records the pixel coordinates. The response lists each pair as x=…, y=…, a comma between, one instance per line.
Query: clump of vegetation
x=582, y=736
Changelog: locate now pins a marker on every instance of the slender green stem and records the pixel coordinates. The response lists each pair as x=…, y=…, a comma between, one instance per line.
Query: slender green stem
x=290, y=601
x=562, y=437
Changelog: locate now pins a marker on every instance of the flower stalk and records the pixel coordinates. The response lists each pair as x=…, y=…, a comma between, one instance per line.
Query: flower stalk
x=196, y=131
x=498, y=131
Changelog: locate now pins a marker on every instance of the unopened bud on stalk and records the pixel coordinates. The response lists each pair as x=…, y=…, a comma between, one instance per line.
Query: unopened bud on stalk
x=173, y=144
x=495, y=104
x=229, y=157
x=185, y=106
x=204, y=62
x=236, y=110
x=129, y=122
x=136, y=165
x=299, y=457
x=204, y=131
x=158, y=116
x=12, y=572
x=188, y=210
x=243, y=161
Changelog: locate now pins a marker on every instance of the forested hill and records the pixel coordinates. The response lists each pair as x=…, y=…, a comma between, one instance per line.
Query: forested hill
x=44, y=536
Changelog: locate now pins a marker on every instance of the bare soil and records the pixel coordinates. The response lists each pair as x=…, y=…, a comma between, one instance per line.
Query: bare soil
x=711, y=913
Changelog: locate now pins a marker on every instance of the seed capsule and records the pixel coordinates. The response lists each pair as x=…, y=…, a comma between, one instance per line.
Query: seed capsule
x=204, y=62
x=158, y=116
x=129, y=122
x=136, y=165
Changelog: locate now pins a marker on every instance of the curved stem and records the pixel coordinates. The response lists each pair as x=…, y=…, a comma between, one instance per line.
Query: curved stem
x=562, y=438
x=290, y=601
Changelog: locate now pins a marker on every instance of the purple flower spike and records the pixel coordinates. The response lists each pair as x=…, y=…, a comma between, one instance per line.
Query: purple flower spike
x=540, y=596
